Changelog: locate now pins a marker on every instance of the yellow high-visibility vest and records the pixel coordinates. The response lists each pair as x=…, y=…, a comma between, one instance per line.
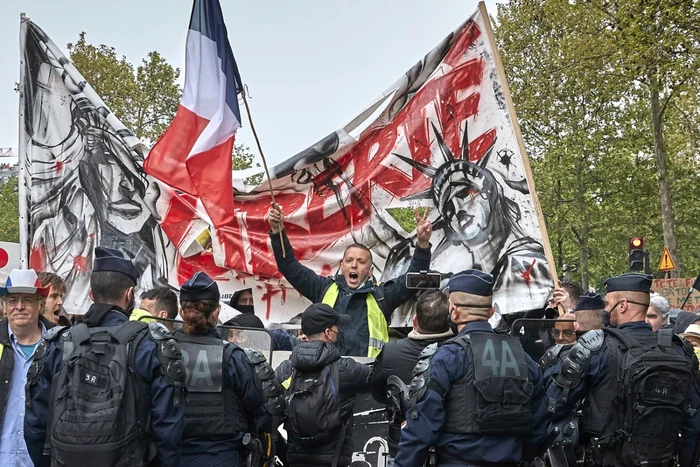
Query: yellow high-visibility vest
x=376, y=322
x=137, y=313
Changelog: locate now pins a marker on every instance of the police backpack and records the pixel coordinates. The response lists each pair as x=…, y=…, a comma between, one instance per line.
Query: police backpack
x=313, y=407
x=654, y=384
x=93, y=406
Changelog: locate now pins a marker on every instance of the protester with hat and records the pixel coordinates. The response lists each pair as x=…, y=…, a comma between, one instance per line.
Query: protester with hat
x=156, y=362
x=22, y=298
x=242, y=301
x=318, y=360
x=613, y=371
x=463, y=396
x=692, y=334
x=230, y=392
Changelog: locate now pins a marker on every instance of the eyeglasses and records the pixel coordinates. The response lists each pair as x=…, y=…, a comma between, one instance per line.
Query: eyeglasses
x=557, y=332
x=14, y=301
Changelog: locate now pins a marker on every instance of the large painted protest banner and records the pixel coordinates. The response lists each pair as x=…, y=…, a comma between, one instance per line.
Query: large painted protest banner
x=443, y=136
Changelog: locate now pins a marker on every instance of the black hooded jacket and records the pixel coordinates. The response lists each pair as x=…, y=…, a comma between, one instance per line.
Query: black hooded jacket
x=352, y=378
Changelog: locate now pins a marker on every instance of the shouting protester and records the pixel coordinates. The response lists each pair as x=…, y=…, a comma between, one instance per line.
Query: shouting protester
x=53, y=305
x=353, y=290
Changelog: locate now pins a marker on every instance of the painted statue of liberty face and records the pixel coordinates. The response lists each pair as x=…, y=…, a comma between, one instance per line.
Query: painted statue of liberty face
x=473, y=210
x=464, y=200
x=87, y=187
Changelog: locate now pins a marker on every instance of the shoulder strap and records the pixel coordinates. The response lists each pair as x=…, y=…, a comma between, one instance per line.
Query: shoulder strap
x=665, y=338
x=79, y=334
x=378, y=292
x=625, y=338
x=128, y=331
x=463, y=340
x=335, y=379
x=339, y=445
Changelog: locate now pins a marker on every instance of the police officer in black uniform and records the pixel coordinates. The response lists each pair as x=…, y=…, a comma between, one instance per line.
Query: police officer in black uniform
x=588, y=311
x=476, y=398
x=566, y=448
x=231, y=392
x=157, y=366
x=640, y=388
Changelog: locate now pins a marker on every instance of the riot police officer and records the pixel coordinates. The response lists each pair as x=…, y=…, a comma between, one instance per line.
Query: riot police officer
x=565, y=449
x=155, y=365
x=476, y=398
x=639, y=389
x=231, y=392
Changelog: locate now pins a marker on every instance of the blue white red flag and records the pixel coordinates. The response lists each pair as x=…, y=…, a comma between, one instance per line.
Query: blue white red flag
x=194, y=153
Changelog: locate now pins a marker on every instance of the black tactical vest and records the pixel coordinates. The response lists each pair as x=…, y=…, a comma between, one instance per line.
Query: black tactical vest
x=495, y=396
x=213, y=409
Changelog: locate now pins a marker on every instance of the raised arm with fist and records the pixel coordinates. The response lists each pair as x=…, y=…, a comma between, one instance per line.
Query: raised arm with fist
x=275, y=217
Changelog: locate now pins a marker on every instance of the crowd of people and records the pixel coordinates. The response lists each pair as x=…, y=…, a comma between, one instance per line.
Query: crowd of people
x=160, y=385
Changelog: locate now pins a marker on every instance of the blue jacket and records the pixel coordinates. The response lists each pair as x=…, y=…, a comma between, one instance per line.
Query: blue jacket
x=353, y=339
x=240, y=376
x=449, y=365
x=598, y=371
x=166, y=419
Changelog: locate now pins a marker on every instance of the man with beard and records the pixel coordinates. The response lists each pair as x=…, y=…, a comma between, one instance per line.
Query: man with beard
x=353, y=290
x=155, y=375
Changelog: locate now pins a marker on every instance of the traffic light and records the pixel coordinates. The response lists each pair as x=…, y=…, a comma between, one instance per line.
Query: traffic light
x=636, y=251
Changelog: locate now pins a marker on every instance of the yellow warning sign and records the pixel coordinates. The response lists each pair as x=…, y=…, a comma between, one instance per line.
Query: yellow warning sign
x=666, y=264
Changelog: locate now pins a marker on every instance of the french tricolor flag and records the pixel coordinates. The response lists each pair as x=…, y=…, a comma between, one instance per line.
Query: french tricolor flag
x=194, y=153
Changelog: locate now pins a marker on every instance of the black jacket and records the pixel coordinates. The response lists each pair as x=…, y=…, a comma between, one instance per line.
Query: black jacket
x=353, y=379
x=399, y=358
x=7, y=363
x=353, y=339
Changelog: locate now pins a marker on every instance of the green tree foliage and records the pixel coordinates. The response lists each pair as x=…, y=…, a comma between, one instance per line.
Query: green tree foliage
x=404, y=216
x=583, y=76
x=9, y=211
x=243, y=159
x=144, y=98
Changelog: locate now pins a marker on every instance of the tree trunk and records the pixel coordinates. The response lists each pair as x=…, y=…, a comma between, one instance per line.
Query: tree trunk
x=667, y=219
x=560, y=240
x=582, y=204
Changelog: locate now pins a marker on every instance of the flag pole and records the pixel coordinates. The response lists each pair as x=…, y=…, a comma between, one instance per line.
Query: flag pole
x=262, y=155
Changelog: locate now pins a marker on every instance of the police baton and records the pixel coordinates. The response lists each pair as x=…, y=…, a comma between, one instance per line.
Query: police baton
x=696, y=286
